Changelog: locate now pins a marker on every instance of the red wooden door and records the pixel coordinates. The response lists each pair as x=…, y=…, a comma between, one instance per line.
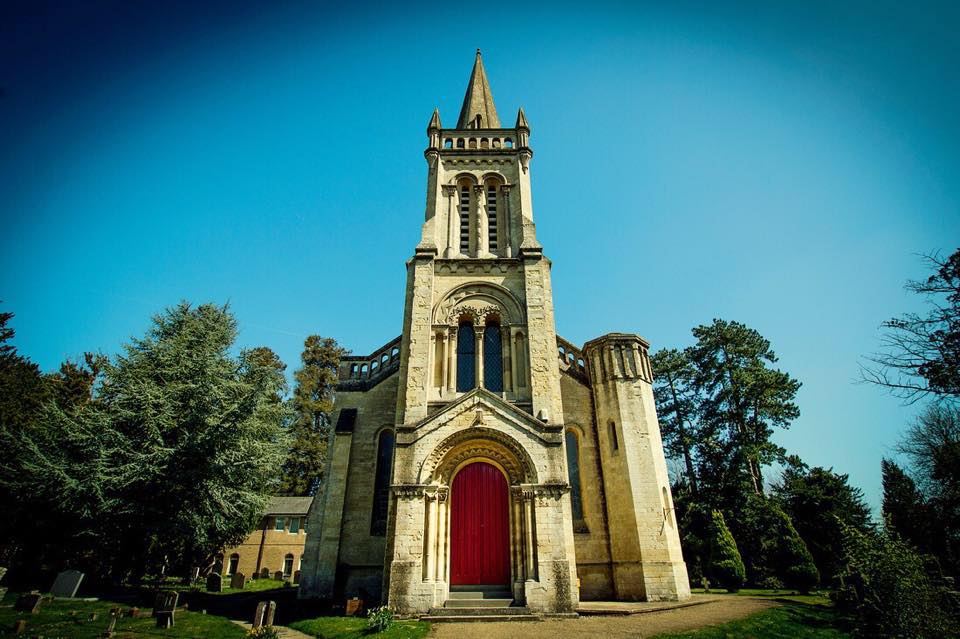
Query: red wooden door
x=479, y=527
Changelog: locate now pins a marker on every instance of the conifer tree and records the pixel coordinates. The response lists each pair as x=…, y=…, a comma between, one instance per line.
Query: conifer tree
x=677, y=404
x=312, y=402
x=726, y=567
x=793, y=557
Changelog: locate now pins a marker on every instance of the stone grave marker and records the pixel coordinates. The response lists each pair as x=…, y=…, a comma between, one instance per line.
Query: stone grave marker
x=19, y=626
x=265, y=573
x=278, y=575
x=354, y=607
x=215, y=582
x=264, y=614
x=66, y=584
x=114, y=615
x=29, y=602
x=164, y=608
x=238, y=581
x=194, y=573
x=296, y=577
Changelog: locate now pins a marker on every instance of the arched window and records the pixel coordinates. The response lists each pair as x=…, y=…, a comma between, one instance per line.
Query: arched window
x=460, y=143
x=492, y=216
x=484, y=143
x=466, y=358
x=573, y=476
x=448, y=143
x=492, y=358
x=464, y=218
x=234, y=562
x=381, y=484
x=288, y=565
x=509, y=143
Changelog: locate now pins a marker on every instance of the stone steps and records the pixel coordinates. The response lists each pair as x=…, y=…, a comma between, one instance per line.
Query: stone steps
x=460, y=611
x=478, y=603
x=479, y=618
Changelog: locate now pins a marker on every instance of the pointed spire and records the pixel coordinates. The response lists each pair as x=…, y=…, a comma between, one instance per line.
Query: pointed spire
x=522, y=120
x=478, y=111
x=434, y=121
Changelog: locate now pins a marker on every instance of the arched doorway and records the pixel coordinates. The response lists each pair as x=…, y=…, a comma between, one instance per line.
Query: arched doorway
x=479, y=527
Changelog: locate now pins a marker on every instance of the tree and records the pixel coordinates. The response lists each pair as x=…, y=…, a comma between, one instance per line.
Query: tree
x=676, y=401
x=312, y=402
x=818, y=501
x=920, y=353
x=726, y=566
x=905, y=510
x=743, y=401
x=793, y=558
x=172, y=458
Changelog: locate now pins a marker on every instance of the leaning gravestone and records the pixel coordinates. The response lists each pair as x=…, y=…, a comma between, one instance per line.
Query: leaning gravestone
x=214, y=582
x=29, y=602
x=164, y=608
x=264, y=614
x=66, y=584
x=238, y=581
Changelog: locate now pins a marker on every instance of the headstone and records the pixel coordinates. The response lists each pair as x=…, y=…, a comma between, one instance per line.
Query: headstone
x=66, y=584
x=164, y=608
x=354, y=607
x=296, y=577
x=92, y=616
x=194, y=573
x=238, y=580
x=214, y=582
x=114, y=614
x=264, y=614
x=19, y=626
x=278, y=575
x=134, y=613
x=29, y=602
x=265, y=573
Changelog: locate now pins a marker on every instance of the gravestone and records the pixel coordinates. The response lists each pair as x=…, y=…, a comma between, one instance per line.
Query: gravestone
x=278, y=575
x=66, y=584
x=265, y=573
x=354, y=607
x=134, y=613
x=114, y=615
x=296, y=577
x=164, y=608
x=3, y=589
x=29, y=602
x=194, y=573
x=215, y=582
x=264, y=614
x=238, y=580
x=19, y=626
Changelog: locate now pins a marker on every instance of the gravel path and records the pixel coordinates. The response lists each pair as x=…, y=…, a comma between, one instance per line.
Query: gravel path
x=643, y=625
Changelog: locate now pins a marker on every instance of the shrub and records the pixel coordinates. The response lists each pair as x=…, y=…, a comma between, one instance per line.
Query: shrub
x=379, y=619
x=264, y=632
x=726, y=566
x=797, y=567
x=892, y=590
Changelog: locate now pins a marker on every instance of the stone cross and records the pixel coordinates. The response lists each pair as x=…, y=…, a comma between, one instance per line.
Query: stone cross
x=214, y=582
x=164, y=608
x=66, y=584
x=264, y=614
x=238, y=580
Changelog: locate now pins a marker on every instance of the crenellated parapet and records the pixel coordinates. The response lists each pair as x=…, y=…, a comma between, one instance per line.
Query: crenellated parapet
x=618, y=356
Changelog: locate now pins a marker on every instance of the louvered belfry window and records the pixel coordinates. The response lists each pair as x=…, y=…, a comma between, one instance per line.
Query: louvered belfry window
x=492, y=216
x=464, y=219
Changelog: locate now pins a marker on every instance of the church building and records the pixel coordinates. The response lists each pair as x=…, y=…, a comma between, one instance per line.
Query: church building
x=479, y=454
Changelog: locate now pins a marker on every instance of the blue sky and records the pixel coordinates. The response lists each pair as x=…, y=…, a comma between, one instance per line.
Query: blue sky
x=780, y=164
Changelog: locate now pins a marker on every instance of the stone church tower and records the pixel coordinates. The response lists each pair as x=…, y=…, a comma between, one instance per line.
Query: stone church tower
x=479, y=454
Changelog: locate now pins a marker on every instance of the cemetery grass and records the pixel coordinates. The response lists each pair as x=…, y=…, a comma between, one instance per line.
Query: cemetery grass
x=816, y=598
x=355, y=627
x=789, y=621
x=55, y=620
x=252, y=585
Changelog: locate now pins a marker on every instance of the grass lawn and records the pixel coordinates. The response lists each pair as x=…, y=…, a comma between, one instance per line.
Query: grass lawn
x=69, y=618
x=252, y=585
x=813, y=599
x=353, y=628
x=790, y=621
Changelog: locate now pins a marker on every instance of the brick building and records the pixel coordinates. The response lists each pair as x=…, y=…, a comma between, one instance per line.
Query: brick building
x=276, y=545
x=479, y=452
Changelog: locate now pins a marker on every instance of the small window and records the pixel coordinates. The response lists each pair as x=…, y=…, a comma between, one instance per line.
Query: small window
x=460, y=143
x=484, y=143
x=288, y=565
x=573, y=475
x=509, y=143
x=473, y=143
x=281, y=524
x=448, y=143
x=614, y=442
x=496, y=143
x=294, y=525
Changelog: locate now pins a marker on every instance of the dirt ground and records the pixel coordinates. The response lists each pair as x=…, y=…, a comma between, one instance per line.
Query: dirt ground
x=642, y=625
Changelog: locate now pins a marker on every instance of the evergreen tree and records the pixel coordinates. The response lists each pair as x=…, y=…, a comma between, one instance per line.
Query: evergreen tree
x=793, y=558
x=743, y=401
x=904, y=507
x=677, y=404
x=312, y=402
x=726, y=566
x=818, y=501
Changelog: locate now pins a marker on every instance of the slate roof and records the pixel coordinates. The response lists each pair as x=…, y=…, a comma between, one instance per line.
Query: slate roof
x=288, y=505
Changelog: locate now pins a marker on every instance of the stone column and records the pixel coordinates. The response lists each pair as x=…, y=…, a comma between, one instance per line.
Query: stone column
x=444, y=356
x=478, y=354
x=453, y=222
x=513, y=361
x=430, y=523
x=505, y=360
x=482, y=232
x=529, y=538
x=442, y=562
